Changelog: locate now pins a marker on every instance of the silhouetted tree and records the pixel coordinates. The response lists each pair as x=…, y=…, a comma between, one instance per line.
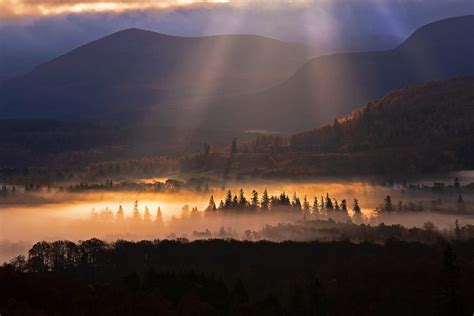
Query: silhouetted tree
x=212, y=205
x=228, y=200
x=306, y=206
x=315, y=208
x=387, y=204
x=344, y=205
x=356, y=207
x=242, y=203
x=254, y=201
x=328, y=202
x=265, y=205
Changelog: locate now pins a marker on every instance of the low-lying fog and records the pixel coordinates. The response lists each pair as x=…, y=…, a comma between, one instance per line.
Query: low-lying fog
x=29, y=217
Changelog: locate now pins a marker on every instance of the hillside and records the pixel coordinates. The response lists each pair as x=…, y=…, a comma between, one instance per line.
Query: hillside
x=135, y=70
x=431, y=114
x=418, y=129
x=329, y=87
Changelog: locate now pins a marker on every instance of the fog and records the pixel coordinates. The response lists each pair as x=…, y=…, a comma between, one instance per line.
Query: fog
x=29, y=217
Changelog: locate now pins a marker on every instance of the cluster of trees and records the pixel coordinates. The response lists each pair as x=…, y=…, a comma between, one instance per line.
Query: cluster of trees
x=218, y=277
x=282, y=201
x=197, y=184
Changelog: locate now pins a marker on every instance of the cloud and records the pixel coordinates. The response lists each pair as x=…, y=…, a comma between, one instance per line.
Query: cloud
x=18, y=9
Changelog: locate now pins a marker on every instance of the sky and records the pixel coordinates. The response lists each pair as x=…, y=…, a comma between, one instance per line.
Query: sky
x=34, y=31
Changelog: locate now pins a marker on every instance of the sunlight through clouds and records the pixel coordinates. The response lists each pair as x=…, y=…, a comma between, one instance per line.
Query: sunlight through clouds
x=12, y=9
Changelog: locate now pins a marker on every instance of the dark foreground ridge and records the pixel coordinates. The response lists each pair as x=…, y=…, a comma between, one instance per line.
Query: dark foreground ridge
x=228, y=277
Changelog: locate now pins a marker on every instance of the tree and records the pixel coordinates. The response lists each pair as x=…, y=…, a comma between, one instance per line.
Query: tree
x=147, y=215
x=315, y=205
x=159, y=217
x=329, y=205
x=120, y=215
x=254, y=201
x=233, y=148
x=265, y=205
x=242, y=203
x=212, y=205
x=306, y=206
x=336, y=205
x=356, y=207
x=228, y=200
x=344, y=205
x=322, y=205
x=136, y=216
x=296, y=203
x=387, y=204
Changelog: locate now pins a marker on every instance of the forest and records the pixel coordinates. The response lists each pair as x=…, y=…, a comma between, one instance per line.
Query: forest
x=228, y=277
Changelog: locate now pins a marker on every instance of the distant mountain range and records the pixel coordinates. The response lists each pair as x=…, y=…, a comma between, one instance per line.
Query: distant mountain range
x=134, y=70
x=230, y=82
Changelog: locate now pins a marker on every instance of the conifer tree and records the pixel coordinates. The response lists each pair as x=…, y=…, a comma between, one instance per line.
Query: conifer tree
x=315, y=208
x=306, y=206
x=212, y=205
x=356, y=207
x=159, y=217
x=265, y=205
x=242, y=199
x=254, y=201
x=329, y=205
x=387, y=205
x=228, y=200
x=344, y=205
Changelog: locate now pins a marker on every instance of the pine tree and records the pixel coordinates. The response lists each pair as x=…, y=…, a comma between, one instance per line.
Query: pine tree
x=235, y=202
x=329, y=205
x=296, y=203
x=221, y=205
x=136, y=216
x=120, y=215
x=322, y=205
x=336, y=205
x=387, y=204
x=159, y=217
x=212, y=205
x=344, y=205
x=242, y=199
x=254, y=199
x=147, y=215
x=356, y=207
x=265, y=205
x=306, y=207
x=228, y=200
x=315, y=205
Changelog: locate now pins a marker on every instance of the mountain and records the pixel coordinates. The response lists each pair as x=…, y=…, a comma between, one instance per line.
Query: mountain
x=328, y=87
x=232, y=82
x=134, y=70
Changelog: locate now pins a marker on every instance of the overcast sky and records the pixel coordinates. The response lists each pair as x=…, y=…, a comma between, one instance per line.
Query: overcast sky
x=33, y=31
